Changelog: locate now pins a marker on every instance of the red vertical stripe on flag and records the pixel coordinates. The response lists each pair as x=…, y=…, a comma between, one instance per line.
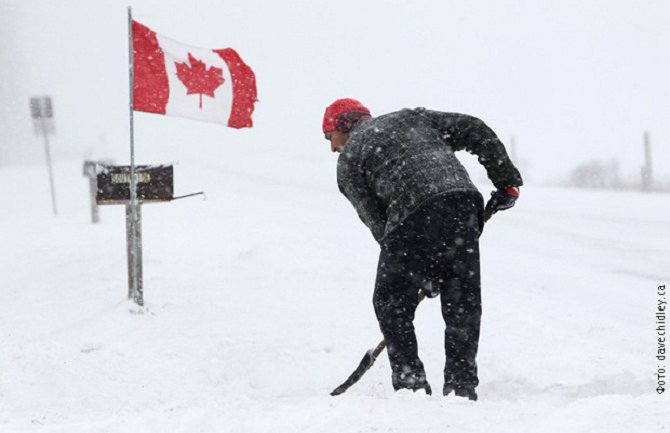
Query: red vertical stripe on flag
x=244, y=89
x=151, y=90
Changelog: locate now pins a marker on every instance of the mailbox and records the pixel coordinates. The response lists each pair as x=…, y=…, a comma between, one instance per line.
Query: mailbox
x=155, y=183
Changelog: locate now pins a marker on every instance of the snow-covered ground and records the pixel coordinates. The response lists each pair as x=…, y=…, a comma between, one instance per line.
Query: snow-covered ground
x=258, y=303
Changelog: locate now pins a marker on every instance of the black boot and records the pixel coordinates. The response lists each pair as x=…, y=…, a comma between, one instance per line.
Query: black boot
x=411, y=380
x=464, y=391
x=470, y=393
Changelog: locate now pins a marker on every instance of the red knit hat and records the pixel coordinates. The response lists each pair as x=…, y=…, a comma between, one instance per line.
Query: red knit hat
x=332, y=118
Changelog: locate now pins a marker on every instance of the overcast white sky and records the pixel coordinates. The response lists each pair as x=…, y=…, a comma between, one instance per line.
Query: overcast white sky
x=571, y=80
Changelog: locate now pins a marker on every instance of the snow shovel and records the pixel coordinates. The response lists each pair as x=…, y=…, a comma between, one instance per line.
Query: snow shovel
x=371, y=355
x=368, y=360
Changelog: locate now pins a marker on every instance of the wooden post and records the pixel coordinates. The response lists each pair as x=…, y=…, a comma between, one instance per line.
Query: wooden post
x=93, y=191
x=90, y=171
x=135, y=288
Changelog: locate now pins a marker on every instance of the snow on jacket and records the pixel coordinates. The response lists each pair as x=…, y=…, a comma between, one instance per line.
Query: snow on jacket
x=393, y=163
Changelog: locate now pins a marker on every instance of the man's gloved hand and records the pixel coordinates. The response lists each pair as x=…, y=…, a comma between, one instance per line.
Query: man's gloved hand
x=500, y=200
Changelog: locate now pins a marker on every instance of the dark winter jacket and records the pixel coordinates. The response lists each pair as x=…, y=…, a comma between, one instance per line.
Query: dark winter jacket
x=393, y=163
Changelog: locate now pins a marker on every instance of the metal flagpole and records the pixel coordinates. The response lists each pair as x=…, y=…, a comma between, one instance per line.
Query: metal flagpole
x=135, y=289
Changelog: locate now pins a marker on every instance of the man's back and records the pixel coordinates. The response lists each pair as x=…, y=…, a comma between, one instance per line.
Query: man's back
x=395, y=162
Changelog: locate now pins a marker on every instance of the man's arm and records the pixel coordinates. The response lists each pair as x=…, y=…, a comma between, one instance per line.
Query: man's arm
x=353, y=184
x=469, y=133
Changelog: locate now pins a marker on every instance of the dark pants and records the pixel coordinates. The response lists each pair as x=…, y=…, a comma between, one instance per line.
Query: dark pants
x=438, y=244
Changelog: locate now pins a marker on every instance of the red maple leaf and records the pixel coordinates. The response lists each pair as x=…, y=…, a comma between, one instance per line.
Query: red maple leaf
x=199, y=79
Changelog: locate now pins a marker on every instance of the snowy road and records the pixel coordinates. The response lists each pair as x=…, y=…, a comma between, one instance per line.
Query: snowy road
x=259, y=304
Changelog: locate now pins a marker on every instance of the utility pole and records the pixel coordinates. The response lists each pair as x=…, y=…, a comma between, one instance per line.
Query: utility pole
x=647, y=173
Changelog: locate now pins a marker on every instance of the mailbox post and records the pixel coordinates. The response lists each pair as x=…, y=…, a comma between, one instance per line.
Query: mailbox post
x=90, y=173
x=89, y=170
x=153, y=184
x=138, y=295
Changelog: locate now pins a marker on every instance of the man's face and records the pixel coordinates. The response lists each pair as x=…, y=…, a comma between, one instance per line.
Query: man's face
x=337, y=140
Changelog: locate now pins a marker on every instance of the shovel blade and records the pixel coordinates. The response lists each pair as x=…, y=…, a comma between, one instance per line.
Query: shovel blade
x=365, y=364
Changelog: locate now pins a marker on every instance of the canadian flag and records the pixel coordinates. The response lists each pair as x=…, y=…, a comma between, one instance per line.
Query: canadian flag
x=179, y=80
